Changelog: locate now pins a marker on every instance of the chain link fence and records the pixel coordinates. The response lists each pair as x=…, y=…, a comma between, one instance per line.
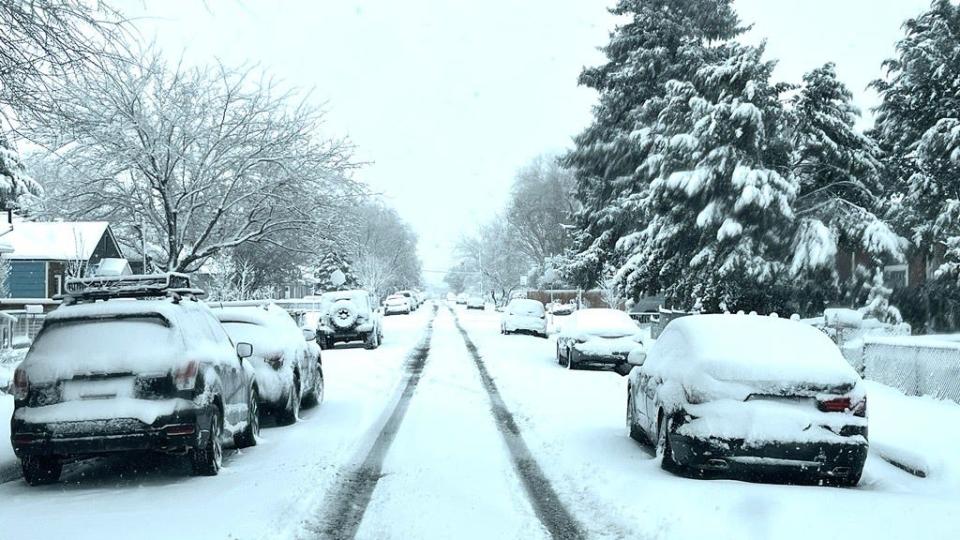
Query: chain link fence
x=917, y=366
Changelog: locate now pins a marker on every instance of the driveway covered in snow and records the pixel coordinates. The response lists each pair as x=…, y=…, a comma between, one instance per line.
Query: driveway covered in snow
x=451, y=430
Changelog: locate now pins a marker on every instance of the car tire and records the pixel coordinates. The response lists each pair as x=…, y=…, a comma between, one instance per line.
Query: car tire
x=571, y=363
x=291, y=410
x=316, y=393
x=206, y=461
x=372, y=341
x=248, y=437
x=559, y=357
x=41, y=470
x=664, y=451
x=331, y=343
x=635, y=432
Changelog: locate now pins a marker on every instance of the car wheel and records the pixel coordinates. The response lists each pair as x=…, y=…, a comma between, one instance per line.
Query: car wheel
x=635, y=432
x=372, y=341
x=664, y=452
x=248, y=437
x=207, y=461
x=571, y=354
x=40, y=470
x=559, y=357
x=331, y=343
x=291, y=411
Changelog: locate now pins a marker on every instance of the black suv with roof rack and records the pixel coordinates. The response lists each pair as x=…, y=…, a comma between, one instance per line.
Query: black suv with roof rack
x=155, y=373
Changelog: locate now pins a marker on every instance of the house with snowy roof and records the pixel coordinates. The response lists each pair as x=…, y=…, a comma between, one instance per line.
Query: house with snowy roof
x=43, y=254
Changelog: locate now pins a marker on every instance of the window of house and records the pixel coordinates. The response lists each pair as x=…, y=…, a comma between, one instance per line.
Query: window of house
x=895, y=276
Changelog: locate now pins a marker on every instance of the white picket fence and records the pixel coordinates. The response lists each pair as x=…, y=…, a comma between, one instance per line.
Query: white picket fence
x=916, y=365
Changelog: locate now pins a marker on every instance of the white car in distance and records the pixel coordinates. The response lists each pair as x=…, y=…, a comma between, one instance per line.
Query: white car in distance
x=524, y=316
x=475, y=302
x=397, y=304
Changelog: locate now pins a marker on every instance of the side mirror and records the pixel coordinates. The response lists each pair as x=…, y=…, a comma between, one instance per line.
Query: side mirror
x=309, y=334
x=637, y=357
x=244, y=350
x=623, y=369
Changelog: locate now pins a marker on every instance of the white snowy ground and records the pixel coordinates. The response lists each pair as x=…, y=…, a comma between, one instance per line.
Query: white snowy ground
x=448, y=472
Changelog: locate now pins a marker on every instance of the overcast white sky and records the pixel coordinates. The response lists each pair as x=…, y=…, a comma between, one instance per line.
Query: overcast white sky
x=448, y=98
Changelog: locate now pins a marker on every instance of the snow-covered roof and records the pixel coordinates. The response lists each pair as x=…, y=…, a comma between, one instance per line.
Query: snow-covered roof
x=55, y=240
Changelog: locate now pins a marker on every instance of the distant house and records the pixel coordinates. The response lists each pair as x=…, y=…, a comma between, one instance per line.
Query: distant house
x=919, y=267
x=45, y=253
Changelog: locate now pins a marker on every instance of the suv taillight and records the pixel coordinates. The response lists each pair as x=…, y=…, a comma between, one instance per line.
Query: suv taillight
x=839, y=404
x=21, y=385
x=185, y=378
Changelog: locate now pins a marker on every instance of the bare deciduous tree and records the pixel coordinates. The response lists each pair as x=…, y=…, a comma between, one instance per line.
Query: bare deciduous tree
x=207, y=159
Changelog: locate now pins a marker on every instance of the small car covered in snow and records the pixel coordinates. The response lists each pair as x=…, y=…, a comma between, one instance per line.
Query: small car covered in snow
x=597, y=337
x=412, y=296
x=740, y=394
x=397, y=304
x=286, y=362
x=349, y=316
x=462, y=299
x=132, y=363
x=476, y=302
x=524, y=316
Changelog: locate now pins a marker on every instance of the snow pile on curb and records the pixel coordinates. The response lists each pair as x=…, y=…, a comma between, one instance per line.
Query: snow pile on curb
x=915, y=433
x=9, y=360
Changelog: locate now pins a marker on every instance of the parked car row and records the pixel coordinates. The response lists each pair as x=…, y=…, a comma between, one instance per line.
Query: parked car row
x=724, y=394
x=165, y=372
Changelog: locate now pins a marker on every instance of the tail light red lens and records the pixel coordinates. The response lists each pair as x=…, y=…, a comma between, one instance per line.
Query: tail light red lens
x=21, y=385
x=185, y=378
x=839, y=404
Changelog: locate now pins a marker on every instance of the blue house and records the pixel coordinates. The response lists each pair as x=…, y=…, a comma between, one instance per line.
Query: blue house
x=44, y=254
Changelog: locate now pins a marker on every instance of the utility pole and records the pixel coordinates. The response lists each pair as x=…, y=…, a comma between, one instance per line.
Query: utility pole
x=143, y=242
x=480, y=260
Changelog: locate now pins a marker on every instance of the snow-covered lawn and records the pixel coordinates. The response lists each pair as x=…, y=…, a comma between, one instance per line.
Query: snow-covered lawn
x=574, y=423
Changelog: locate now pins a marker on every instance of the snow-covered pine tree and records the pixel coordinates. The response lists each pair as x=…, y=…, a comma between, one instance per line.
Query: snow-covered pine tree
x=719, y=212
x=327, y=266
x=838, y=172
x=878, y=301
x=918, y=127
x=14, y=180
x=662, y=41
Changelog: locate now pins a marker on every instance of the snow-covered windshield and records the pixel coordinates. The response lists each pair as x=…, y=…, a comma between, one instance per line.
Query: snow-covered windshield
x=265, y=340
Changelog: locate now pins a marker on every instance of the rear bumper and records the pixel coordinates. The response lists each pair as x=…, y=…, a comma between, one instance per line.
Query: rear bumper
x=356, y=333
x=808, y=460
x=179, y=431
x=390, y=310
x=597, y=360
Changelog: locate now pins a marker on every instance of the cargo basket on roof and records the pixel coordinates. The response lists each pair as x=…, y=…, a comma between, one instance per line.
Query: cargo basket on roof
x=130, y=286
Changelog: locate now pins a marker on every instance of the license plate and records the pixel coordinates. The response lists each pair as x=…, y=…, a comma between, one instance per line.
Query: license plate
x=99, y=389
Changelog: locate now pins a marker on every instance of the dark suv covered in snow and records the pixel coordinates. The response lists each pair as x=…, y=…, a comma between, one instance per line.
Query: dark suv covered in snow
x=154, y=372
x=349, y=316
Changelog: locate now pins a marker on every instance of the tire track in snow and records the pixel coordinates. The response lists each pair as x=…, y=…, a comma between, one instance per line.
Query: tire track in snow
x=551, y=512
x=348, y=501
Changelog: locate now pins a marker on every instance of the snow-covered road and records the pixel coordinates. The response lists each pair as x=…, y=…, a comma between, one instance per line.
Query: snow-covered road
x=449, y=434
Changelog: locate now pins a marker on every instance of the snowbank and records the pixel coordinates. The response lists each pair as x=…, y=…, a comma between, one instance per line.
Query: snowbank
x=917, y=432
x=7, y=459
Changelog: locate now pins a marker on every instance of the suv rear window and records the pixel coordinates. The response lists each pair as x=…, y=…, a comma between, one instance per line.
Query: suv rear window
x=106, y=336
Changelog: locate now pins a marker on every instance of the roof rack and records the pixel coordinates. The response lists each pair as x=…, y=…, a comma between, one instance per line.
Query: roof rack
x=131, y=286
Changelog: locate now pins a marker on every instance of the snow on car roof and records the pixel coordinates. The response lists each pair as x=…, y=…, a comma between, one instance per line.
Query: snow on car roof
x=164, y=307
x=600, y=322
x=757, y=348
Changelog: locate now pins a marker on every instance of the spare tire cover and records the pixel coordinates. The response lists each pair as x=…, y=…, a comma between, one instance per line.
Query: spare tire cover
x=343, y=314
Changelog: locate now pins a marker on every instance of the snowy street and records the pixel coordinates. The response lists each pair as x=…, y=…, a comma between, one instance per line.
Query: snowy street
x=413, y=442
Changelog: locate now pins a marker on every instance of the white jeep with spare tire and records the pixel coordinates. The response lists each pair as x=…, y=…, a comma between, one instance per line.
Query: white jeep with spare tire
x=349, y=316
